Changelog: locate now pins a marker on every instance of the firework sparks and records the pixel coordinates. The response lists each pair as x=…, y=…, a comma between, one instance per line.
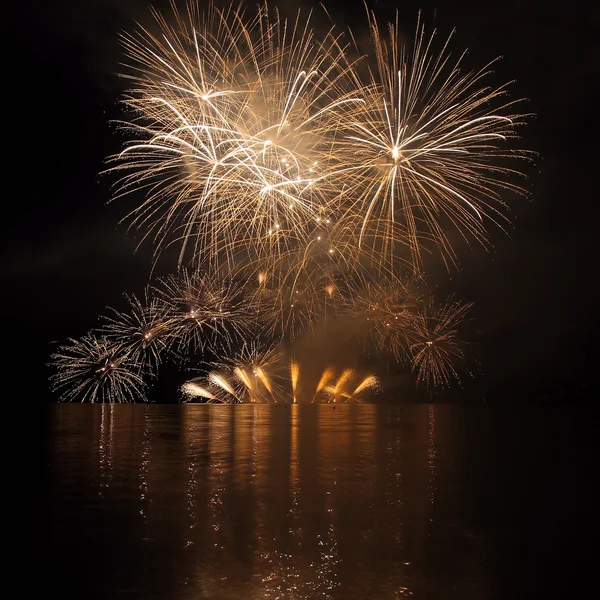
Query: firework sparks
x=340, y=392
x=431, y=149
x=237, y=112
x=260, y=372
x=143, y=331
x=255, y=366
x=266, y=377
x=92, y=369
x=383, y=314
x=326, y=377
x=294, y=374
x=337, y=390
x=370, y=382
x=304, y=188
x=192, y=390
x=219, y=382
x=244, y=378
x=252, y=130
x=439, y=348
x=202, y=311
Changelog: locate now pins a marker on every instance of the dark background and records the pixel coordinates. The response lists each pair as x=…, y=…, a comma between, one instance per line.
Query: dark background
x=65, y=257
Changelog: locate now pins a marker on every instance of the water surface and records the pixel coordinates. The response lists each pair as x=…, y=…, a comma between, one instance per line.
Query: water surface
x=299, y=502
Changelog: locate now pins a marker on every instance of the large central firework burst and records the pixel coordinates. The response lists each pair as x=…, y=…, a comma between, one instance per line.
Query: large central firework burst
x=235, y=120
x=302, y=181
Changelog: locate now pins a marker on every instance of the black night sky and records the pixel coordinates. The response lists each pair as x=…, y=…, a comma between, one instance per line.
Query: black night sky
x=65, y=257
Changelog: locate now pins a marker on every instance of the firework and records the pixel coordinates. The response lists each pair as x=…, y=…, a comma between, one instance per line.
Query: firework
x=430, y=150
x=252, y=130
x=192, y=390
x=234, y=117
x=383, y=315
x=439, y=348
x=92, y=369
x=303, y=188
x=291, y=301
x=143, y=331
x=219, y=382
x=341, y=392
x=255, y=369
x=339, y=388
x=300, y=289
x=327, y=375
x=256, y=375
x=202, y=312
x=368, y=383
x=294, y=374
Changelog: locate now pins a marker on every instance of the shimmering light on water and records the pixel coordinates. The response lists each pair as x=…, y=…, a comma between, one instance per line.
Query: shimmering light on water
x=276, y=502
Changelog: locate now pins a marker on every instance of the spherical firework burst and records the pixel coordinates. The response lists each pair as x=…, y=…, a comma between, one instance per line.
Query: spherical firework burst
x=428, y=154
x=144, y=331
x=234, y=116
x=92, y=369
x=439, y=349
